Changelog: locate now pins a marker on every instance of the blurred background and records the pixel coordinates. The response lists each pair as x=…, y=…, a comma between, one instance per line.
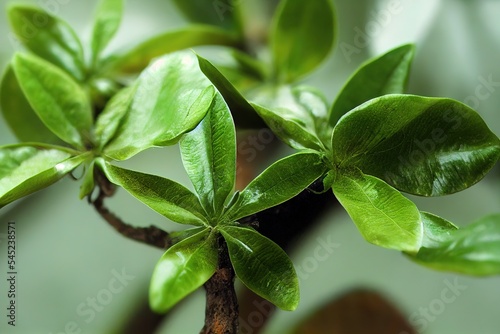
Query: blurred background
x=69, y=260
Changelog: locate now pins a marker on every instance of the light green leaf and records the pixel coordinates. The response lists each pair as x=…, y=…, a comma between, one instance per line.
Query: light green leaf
x=172, y=97
x=27, y=168
x=48, y=37
x=424, y=146
x=209, y=157
x=57, y=99
x=472, y=250
x=88, y=184
x=281, y=181
x=436, y=229
x=386, y=74
x=183, y=268
x=262, y=266
x=383, y=216
x=139, y=57
x=165, y=196
x=19, y=115
x=107, y=22
x=302, y=37
x=109, y=119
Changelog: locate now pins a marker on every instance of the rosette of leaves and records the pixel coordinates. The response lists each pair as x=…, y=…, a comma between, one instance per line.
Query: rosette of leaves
x=378, y=143
x=209, y=158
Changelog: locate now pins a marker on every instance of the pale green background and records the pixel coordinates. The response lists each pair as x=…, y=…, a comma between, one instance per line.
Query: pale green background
x=67, y=254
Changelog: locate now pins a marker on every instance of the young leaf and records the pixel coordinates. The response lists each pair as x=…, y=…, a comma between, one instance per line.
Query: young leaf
x=383, y=216
x=386, y=74
x=165, y=196
x=88, y=184
x=209, y=157
x=222, y=13
x=107, y=21
x=183, y=268
x=27, y=168
x=57, y=99
x=172, y=97
x=262, y=266
x=281, y=181
x=472, y=250
x=19, y=115
x=302, y=37
x=424, y=146
x=436, y=229
x=139, y=57
x=48, y=37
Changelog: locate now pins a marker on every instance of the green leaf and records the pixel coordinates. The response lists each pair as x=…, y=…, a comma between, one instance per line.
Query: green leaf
x=424, y=146
x=19, y=115
x=110, y=118
x=107, y=22
x=302, y=37
x=386, y=74
x=383, y=216
x=281, y=181
x=262, y=266
x=57, y=99
x=88, y=184
x=209, y=157
x=222, y=13
x=139, y=57
x=472, y=250
x=27, y=168
x=165, y=196
x=183, y=268
x=436, y=229
x=172, y=97
x=243, y=113
x=48, y=37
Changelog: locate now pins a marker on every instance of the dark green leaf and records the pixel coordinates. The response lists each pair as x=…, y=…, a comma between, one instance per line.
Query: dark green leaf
x=262, y=266
x=19, y=115
x=472, y=250
x=243, y=113
x=107, y=21
x=424, y=146
x=172, y=97
x=165, y=196
x=281, y=181
x=61, y=104
x=27, y=168
x=138, y=58
x=183, y=268
x=209, y=157
x=88, y=184
x=383, y=216
x=48, y=37
x=302, y=37
x=386, y=74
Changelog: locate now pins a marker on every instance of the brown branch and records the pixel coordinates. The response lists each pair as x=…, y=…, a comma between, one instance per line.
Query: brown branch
x=221, y=312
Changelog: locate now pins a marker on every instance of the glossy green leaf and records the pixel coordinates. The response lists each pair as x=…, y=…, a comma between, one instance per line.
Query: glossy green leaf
x=107, y=22
x=57, y=99
x=172, y=97
x=383, y=216
x=48, y=37
x=27, y=168
x=183, y=268
x=386, y=74
x=472, y=250
x=262, y=266
x=424, y=146
x=436, y=229
x=209, y=157
x=222, y=13
x=281, y=181
x=19, y=115
x=297, y=116
x=88, y=183
x=302, y=37
x=139, y=57
x=109, y=119
x=243, y=113
x=165, y=196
